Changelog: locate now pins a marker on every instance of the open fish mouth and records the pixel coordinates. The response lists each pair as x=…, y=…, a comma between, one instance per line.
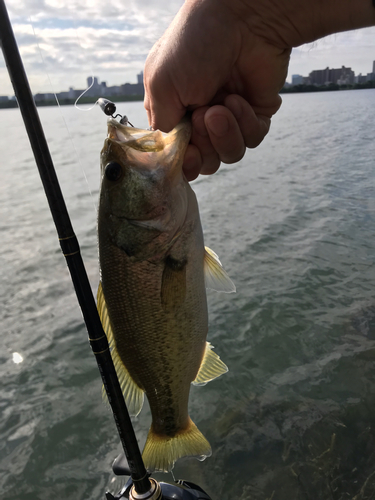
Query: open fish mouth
x=136, y=138
x=148, y=140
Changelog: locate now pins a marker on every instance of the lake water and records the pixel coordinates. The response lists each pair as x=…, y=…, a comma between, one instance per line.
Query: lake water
x=294, y=225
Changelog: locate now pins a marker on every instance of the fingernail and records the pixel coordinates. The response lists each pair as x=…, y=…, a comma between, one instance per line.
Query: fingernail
x=218, y=125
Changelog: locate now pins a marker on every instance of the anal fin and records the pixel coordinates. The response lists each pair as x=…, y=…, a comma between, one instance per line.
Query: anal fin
x=133, y=394
x=211, y=367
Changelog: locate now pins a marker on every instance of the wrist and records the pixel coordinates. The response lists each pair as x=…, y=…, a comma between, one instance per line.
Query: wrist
x=344, y=15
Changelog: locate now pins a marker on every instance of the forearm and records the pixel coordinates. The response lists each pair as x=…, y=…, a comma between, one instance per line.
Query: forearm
x=290, y=23
x=344, y=15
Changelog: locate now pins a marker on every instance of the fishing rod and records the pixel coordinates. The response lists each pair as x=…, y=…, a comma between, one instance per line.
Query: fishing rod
x=70, y=248
x=140, y=486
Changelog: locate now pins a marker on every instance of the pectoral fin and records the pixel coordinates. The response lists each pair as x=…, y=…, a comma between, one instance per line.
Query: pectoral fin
x=215, y=276
x=211, y=367
x=133, y=394
x=173, y=286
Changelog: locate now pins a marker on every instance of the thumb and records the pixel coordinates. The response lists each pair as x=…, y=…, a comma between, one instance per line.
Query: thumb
x=163, y=106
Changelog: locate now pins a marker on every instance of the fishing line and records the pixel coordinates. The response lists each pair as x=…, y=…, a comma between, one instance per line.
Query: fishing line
x=84, y=92
x=103, y=103
x=91, y=71
x=62, y=115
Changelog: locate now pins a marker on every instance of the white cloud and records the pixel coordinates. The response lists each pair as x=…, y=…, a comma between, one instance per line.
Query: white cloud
x=73, y=39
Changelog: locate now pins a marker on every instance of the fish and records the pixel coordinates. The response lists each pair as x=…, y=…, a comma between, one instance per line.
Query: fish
x=154, y=270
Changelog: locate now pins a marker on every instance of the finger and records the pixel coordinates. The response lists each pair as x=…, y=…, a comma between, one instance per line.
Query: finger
x=192, y=163
x=163, y=114
x=253, y=127
x=225, y=134
x=201, y=140
x=163, y=106
x=147, y=106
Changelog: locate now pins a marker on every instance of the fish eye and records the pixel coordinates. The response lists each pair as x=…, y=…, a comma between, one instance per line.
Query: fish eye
x=113, y=171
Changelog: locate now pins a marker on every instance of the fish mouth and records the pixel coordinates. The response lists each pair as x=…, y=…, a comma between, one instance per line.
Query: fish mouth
x=147, y=140
x=136, y=138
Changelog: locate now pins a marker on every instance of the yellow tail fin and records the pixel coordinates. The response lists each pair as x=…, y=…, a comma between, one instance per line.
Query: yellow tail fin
x=161, y=452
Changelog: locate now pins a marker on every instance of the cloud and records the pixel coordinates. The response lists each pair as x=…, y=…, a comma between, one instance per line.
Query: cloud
x=73, y=39
x=125, y=15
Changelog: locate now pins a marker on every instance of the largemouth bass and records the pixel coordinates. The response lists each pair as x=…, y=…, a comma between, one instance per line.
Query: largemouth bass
x=152, y=295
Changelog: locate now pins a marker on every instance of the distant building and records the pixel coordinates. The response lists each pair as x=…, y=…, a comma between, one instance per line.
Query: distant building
x=96, y=87
x=319, y=76
x=133, y=89
x=113, y=91
x=297, y=79
x=346, y=76
x=371, y=76
x=101, y=89
x=69, y=94
x=327, y=76
x=44, y=97
x=360, y=78
x=89, y=80
x=364, y=78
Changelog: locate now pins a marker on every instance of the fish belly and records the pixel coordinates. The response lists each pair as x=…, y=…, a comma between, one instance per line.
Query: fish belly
x=162, y=348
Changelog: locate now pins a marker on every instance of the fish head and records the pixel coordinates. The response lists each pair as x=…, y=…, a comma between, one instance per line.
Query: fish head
x=143, y=197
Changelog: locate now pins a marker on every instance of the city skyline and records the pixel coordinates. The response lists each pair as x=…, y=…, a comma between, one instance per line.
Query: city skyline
x=95, y=88
x=342, y=76
x=61, y=43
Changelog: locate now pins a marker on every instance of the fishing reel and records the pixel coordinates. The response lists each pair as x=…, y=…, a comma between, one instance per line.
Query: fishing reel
x=181, y=490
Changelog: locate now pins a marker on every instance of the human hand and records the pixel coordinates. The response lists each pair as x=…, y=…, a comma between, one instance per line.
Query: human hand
x=227, y=60
x=211, y=62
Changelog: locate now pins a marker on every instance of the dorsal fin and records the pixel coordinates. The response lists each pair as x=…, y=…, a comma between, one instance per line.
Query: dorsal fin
x=133, y=394
x=215, y=276
x=211, y=367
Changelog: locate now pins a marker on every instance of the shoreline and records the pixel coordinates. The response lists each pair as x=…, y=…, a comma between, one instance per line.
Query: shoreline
x=68, y=102
x=296, y=89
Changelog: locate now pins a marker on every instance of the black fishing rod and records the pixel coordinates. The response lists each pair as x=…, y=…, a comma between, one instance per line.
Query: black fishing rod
x=140, y=486
x=70, y=248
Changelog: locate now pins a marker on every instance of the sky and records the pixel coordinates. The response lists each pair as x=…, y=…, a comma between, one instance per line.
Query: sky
x=64, y=42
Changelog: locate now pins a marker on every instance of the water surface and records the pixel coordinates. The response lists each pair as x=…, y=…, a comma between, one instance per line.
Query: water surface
x=293, y=223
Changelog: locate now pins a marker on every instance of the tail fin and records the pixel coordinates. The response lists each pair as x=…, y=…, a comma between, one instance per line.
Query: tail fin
x=161, y=452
